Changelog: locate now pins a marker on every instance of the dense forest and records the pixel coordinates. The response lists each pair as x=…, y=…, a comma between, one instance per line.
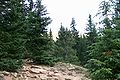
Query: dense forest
x=24, y=35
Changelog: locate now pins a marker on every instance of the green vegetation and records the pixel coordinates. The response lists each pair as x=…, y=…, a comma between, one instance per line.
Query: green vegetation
x=65, y=44
x=24, y=35
x=105, y=52
x=11, y=37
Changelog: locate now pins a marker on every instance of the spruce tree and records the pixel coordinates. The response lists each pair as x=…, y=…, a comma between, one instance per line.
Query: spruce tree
x=73, y=29
x=38, y=40
x=75, y=34
x=91, y=33
x=105, y=61
x=65, y=43
x=11, y=37
x=91, y=37
x=85, y=41
x=82, y=49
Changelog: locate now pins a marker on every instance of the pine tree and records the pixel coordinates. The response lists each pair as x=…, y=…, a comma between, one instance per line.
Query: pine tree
x=11, y=37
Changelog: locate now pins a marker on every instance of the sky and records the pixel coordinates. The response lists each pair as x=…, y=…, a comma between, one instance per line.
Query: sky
x=62, y=11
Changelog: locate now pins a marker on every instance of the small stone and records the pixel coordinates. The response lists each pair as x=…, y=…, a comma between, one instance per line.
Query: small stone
x=71, y=69
x=43, y=78
x=50, y=74
x=36, y=71
x=70, y=73
x=19, y=75
x=67, y=79
x=5, y=73
x=42, y=71
x=50, y=78
x=34, y=76
x=64, y=73
x=2, y=77
x=55, y=71
x=34, y=66
x=14, y=74
x=25, y=68
x=56, y=79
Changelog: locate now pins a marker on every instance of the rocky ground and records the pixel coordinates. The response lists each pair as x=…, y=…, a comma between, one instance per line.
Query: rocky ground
x=61, y=71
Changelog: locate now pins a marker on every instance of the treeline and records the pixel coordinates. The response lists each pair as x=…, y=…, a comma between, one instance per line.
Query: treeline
x=23, y=35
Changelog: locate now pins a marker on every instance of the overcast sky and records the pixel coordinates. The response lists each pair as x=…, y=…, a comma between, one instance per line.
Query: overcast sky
x=62, y=11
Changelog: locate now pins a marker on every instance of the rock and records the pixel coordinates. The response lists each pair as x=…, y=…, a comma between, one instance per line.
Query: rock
x=61, y=71
x=55, y=78
x=14, y=74
x=83, y=78
x=25, y=68
x=42, y=71
x=7, y=78
x=52, y=69
x=50, y=74
x=5, y=73
x=34, y=66
x=70, y=73
x=43, y=78
x=32, y=75
x=67, y=79
x=59, y=76
x=55, y=71
x=64, y=73
x=49, y=78
x=35, y=76
x=2, y=76
x=45, y=68
x=34, y=70
x=71, y=69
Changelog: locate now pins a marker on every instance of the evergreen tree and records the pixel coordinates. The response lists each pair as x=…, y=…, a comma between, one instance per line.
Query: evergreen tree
x=85, y=41
x=105, y=62
x=38, y=40
x=65, y=43
x=75, y=35
x=52, y=47
x=91, y=33
x=50, y=35
x=11, y=37
x=73, y=29
x=82, y=49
